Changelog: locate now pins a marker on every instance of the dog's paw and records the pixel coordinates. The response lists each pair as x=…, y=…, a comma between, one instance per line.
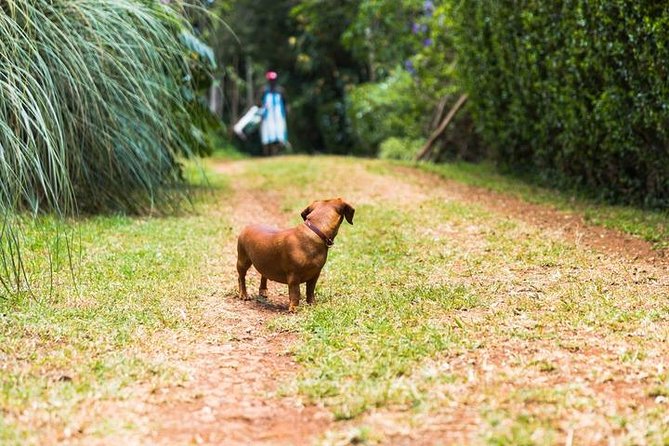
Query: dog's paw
x=263, y=293
x=245, y=297
x=292, y=308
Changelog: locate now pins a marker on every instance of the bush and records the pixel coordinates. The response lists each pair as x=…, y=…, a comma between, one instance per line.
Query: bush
x=400, y=148
x=92, y=112
x=378, y=111
x=575, y=89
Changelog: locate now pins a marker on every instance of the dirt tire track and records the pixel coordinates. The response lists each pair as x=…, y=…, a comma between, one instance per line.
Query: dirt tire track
x=569, y=226
x=232, y=396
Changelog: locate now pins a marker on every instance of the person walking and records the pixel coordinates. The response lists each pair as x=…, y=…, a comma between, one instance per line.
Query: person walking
x=273, y=129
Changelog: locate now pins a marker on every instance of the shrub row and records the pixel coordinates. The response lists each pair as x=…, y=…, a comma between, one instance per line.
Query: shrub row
x=577, y=90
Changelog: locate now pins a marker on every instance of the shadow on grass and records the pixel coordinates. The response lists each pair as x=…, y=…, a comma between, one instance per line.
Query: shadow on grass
x=269, y=305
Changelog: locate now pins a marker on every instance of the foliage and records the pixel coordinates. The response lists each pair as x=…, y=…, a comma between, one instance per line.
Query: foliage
x=91, y=111
x=400, y=148
x=385, y=109
x=577, y=90
x=574, y=90
x=433, y=64
x=258, y=28
x=434, y=67
x=321, y=50
x=324, y=69
x=92, y=116
x=198, y=47
x=383, y=33
x=255, y=36
x=201, y=62
x=417, y=37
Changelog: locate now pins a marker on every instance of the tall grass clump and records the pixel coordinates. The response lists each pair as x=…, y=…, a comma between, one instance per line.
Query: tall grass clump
x=92, y=115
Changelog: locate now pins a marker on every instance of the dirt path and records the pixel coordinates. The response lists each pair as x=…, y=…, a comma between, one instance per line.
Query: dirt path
x=232, y=394
x=236, y=365
x=565, y=225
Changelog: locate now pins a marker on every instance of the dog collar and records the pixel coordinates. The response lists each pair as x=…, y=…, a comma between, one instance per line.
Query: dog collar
x=328, y=241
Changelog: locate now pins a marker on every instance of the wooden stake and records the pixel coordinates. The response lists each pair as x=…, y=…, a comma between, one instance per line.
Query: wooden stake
x=439, y=113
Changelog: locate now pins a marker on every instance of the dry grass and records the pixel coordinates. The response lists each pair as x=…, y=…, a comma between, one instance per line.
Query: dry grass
x=437, y=321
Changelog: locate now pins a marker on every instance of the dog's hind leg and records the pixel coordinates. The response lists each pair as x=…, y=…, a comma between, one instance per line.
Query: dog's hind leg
x=263, y=287
x=242, y=268
x=243, y=265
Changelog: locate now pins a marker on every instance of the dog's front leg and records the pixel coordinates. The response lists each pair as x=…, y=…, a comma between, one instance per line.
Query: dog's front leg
x=262, y=292
x=311, y=289
x=294, y=296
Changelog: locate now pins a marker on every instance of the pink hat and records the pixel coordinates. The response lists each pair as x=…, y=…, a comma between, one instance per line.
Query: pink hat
x=271, y=75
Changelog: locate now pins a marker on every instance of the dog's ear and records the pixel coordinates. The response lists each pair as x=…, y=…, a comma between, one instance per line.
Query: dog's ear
x=348, y=212
x=307, y=211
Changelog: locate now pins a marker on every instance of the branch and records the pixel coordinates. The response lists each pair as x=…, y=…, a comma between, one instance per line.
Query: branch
x=427, y=148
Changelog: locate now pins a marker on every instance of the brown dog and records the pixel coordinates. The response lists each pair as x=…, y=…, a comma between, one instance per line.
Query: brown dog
x=292, y=256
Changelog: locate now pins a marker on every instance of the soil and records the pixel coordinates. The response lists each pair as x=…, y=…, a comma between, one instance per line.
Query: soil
x=569, y=226
x=233, y=394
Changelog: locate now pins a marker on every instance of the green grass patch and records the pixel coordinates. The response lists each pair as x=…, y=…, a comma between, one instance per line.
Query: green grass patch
x=524, y=429
x=93, y=335
x=378, y=316
x=224, y=149
x=425, y=305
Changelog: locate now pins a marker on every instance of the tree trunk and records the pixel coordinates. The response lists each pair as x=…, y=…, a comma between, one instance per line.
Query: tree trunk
x=427, y=148
x=216, y=98
x=371, y=56
x=438, y=114
x=250, y=94
x=234, y=104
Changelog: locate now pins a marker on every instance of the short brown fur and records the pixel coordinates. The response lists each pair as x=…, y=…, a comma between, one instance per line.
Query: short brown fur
x=291, y=256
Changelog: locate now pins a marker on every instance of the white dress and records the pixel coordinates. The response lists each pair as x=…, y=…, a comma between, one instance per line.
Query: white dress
x=273, y=126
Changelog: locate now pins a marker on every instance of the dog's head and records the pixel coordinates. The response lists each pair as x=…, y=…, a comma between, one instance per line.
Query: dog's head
x=337, y=205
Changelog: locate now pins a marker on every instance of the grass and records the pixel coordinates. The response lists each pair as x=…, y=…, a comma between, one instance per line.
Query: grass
x=416, y=285
x=651, y=225
x=92, y=115
x=430, y=312
x=224, y=149
x=138, y=283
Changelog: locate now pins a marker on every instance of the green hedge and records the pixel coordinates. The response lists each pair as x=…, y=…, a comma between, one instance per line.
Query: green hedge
x=576, y=90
